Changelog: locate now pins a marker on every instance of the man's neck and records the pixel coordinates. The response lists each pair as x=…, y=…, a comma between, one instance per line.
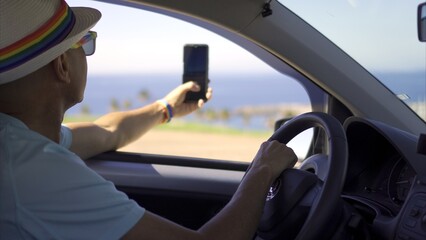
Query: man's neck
x=47, y=127
x=45, y=123
x=35, y=100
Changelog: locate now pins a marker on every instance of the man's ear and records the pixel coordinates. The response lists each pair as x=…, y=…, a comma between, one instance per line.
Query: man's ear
x=61, y=67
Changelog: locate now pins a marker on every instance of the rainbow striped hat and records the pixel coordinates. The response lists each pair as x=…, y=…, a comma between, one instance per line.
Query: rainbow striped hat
x=34, y=32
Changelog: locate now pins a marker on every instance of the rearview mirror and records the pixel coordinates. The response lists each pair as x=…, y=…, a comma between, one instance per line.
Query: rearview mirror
x=421, y=22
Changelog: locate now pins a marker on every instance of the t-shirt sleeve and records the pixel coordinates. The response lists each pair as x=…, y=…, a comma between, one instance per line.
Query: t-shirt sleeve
x=64, y=199
x=65, y=137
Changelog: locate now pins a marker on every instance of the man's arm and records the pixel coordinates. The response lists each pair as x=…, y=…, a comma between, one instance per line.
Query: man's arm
x=240, y=217
x=117, y=129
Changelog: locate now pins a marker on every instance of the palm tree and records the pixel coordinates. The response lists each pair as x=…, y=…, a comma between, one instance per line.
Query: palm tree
x=144, y=95
x=85, y=109
x=211, y=114
x=114, y=105
x=246, y=118
x=127, y=104
x=225, y=115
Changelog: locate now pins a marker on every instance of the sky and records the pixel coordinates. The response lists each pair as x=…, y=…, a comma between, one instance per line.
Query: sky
x=380, y=34
x=153, y=43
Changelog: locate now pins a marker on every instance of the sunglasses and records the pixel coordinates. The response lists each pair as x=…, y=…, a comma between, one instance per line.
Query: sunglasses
x=87, y=42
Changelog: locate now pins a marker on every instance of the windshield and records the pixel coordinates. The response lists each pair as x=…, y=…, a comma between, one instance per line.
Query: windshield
x=381, y=35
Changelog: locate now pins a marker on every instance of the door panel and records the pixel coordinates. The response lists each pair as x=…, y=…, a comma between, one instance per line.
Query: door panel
x=188, y=191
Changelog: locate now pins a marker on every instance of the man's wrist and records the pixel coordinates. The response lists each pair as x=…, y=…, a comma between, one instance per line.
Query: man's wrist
x=166, y=109
x=263, y=172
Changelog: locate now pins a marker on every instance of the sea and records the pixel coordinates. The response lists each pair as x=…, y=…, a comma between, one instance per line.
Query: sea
x=231, y=93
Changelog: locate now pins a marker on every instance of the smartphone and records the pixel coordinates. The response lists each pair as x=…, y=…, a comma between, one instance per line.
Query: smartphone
x=195, y=68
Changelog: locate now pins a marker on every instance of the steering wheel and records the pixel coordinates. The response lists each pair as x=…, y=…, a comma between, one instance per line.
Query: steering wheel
x=299, y=205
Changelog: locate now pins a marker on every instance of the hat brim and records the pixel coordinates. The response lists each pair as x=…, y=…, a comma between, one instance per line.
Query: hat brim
x=85, y=19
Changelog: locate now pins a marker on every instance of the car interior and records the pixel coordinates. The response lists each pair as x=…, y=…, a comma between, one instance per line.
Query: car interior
x=364, y=174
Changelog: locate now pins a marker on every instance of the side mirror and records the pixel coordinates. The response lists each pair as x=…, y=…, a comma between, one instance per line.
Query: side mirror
x=280, y=122
x=421, y=22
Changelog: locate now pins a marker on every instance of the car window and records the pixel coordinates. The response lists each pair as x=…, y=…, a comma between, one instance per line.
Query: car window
x=139, y=59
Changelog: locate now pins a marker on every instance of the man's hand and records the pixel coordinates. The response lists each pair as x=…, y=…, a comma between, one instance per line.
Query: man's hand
x=176, y=97
x=275, y=156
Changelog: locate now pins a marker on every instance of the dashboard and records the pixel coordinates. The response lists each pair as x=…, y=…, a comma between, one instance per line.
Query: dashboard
x=385, y=178
x=378, y=174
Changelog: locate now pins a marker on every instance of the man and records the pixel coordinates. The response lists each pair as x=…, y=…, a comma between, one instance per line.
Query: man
x=46, y=190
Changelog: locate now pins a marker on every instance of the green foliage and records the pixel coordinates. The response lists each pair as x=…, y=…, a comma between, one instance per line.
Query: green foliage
x=85, y=109
x=114, y=105
x=144, y=95
x=127, y=104
x=185, y=126
x=79, y=118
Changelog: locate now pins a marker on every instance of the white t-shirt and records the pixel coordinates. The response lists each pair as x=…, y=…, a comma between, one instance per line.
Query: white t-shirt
x=47, y=192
